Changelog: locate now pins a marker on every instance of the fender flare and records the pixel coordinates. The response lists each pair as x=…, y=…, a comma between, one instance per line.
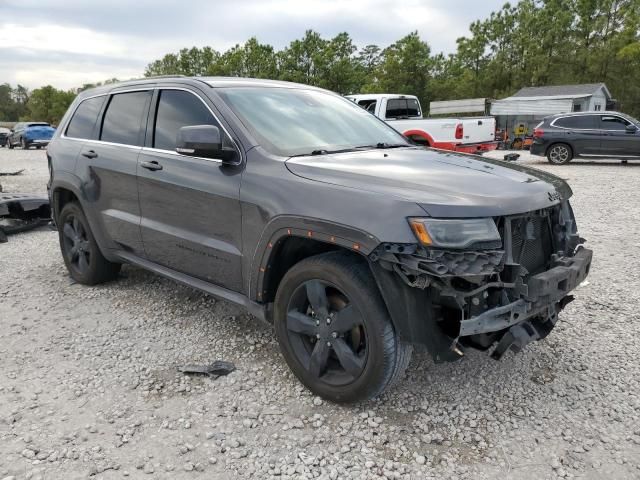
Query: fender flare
x=65, y=181
x=68, y=181
x=286, y=226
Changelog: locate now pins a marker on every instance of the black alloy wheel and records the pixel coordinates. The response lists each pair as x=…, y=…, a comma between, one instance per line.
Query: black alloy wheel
x=76, y=244
x=327, y=333
x=80, y=252
x=334, y=329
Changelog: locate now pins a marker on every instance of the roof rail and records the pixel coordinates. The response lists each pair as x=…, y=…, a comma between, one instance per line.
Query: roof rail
x=151, y=78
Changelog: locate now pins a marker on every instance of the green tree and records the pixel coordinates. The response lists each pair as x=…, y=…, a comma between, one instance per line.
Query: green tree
x=49, y=104
x=405, y=68
x=252, y=59
x=304, y=60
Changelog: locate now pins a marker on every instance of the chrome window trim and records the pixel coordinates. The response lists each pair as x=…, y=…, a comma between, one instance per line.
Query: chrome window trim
x=601, y=114
x=152, y=149
x=171, y=152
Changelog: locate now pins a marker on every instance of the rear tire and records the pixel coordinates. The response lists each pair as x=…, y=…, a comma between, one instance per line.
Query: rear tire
x=559, y=154
x=80, y=252
x=344, y=347
x=24, y=144
x=9, y=145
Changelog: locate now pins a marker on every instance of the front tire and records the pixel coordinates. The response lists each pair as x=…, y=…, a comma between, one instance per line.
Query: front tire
x=81, y=253
x=559, y=154
x=9, y=144
x=334, y=329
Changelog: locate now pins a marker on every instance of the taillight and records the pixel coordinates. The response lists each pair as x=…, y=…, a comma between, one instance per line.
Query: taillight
x=459, y=131
x=538, y=133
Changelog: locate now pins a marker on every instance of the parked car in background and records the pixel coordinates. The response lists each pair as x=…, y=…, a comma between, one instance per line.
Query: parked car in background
x=404, y=114
x=27, y=134
x=4, y=134
x=317, y=217
x=589, y=135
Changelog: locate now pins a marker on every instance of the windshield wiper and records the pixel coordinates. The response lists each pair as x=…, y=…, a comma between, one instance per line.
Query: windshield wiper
x=384, y=145
x=352, y=149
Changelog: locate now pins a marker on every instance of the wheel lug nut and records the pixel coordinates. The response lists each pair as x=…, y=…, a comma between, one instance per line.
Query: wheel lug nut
x=334, y=334
x=317, y=323
x=328, y=344
x=328, y=321
x=318, y=336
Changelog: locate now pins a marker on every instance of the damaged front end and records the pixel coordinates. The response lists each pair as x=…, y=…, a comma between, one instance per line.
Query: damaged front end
x=506, y=293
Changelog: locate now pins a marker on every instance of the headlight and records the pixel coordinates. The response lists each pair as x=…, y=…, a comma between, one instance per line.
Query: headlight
x=454, y=233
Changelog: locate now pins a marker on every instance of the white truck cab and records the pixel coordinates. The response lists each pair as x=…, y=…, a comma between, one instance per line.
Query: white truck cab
x=404, y=113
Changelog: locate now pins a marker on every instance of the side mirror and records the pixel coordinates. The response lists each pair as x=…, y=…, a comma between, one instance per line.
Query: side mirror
x=205, y=141
x=631, y=128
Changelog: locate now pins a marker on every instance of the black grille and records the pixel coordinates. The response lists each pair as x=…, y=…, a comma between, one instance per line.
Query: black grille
x=531, y=242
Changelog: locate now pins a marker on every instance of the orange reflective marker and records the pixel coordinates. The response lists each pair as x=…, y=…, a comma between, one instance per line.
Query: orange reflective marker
x=421, y=232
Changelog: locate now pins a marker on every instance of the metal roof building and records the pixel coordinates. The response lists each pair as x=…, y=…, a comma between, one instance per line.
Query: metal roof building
x=543, y=101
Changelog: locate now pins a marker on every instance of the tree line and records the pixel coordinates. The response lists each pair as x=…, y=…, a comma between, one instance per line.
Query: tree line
x=531, y=43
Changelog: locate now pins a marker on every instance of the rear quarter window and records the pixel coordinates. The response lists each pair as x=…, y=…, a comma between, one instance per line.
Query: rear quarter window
x=84, y=118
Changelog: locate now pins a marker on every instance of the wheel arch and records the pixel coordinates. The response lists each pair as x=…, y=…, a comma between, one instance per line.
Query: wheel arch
x=419, y=136
x=61, y=194
x=288, y=240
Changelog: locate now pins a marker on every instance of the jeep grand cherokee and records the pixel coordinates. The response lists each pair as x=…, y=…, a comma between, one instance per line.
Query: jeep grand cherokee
x=317, y=217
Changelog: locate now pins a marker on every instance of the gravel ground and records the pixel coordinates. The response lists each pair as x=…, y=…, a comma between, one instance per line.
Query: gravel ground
x=89, y=387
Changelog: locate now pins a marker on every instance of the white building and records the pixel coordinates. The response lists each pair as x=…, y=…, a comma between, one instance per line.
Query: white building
x=543, y=101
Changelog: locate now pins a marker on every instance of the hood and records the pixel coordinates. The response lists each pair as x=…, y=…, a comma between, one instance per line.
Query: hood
x=444, y=184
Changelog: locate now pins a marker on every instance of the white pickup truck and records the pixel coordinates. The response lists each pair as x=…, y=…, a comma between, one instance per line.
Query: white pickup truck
x=403, y=113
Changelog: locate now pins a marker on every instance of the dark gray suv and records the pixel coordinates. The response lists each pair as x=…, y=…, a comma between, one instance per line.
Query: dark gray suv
x=318, y=218
x=589, y=135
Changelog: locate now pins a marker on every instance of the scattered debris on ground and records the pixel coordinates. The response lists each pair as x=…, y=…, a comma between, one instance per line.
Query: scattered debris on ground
x=216, y=369
x=20, y=212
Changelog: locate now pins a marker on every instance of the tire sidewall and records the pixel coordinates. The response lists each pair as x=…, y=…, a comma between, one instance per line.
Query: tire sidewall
x=376, y=323
x=88, y=276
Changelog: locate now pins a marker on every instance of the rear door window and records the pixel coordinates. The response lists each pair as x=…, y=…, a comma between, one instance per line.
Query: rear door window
x=579, y=122
x=177, y=109
x=124, y=116
x=84, y=118
x=613, y=122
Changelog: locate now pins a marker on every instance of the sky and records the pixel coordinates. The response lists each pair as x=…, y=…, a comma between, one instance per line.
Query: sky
x=66, y=43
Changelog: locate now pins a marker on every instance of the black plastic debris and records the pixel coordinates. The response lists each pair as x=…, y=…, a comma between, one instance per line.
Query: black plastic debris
x=11, y=174
x=216, y=369
x=20, y=212
x=511, y=157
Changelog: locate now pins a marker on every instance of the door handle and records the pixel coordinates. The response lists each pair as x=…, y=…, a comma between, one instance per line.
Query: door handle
x=151, y=165
x=90, y=154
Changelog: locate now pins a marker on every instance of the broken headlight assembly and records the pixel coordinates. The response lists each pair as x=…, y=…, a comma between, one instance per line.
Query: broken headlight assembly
x=456, y=233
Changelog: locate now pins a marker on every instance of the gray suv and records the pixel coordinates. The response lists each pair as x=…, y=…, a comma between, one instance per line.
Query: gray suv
x=318, y=218
x=588, y=135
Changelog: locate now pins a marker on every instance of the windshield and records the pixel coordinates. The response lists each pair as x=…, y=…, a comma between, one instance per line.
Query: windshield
x=289, y=121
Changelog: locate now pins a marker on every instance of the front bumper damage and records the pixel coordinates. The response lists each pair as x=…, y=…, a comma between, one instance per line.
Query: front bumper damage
x=485, y=298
